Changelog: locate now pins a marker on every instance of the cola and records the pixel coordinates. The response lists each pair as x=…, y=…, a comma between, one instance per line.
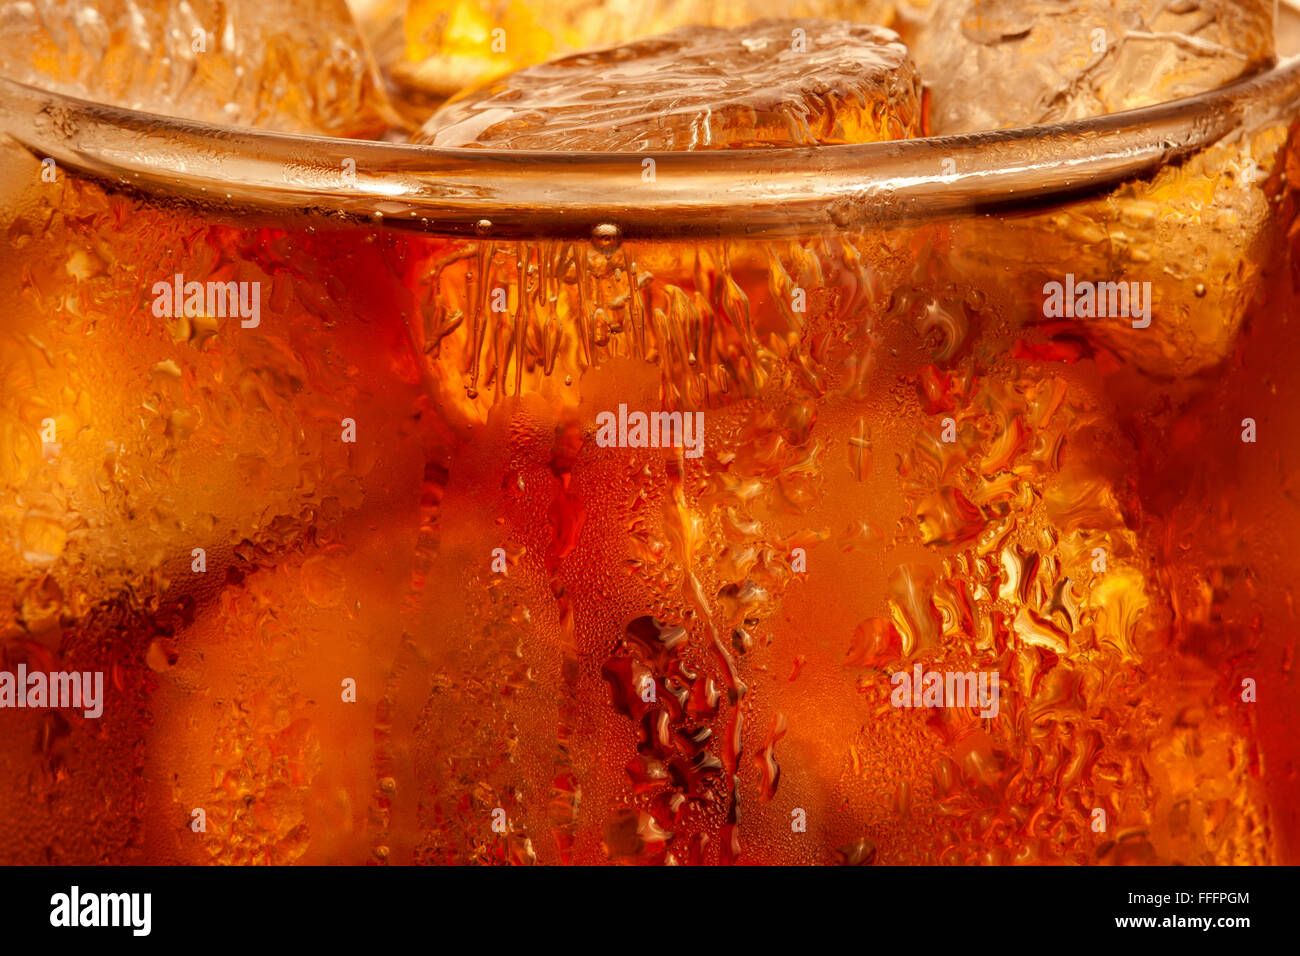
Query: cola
x=879, y=540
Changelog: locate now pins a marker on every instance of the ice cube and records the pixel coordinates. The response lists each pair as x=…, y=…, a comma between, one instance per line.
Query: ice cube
x=1190, y=234
x=451, y=44
x=775, y=83
x=271, y=64
x=993, y=64
x=1191, y=241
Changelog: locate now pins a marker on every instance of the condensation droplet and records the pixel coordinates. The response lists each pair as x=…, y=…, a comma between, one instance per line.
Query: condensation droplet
x=606, y=237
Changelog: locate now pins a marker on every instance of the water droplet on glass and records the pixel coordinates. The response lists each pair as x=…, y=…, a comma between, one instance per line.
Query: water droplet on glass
x=606, y=237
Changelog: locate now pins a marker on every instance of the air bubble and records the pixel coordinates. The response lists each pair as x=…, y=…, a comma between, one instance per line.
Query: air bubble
x=606, y=237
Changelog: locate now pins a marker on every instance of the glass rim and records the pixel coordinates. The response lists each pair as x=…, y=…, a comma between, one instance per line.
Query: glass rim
x=516, y=195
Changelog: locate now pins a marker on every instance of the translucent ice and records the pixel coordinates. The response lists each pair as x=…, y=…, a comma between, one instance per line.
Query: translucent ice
x=777, y=82
x=450, y=44
x=271, y=64
x=999, y=63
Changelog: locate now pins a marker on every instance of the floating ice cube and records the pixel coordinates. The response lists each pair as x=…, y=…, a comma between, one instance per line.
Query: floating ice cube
x=271, y=64
x=775, y=83
x=1000, y=63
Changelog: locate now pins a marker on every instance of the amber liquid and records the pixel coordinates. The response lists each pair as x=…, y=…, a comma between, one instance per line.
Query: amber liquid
x=570, y=653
